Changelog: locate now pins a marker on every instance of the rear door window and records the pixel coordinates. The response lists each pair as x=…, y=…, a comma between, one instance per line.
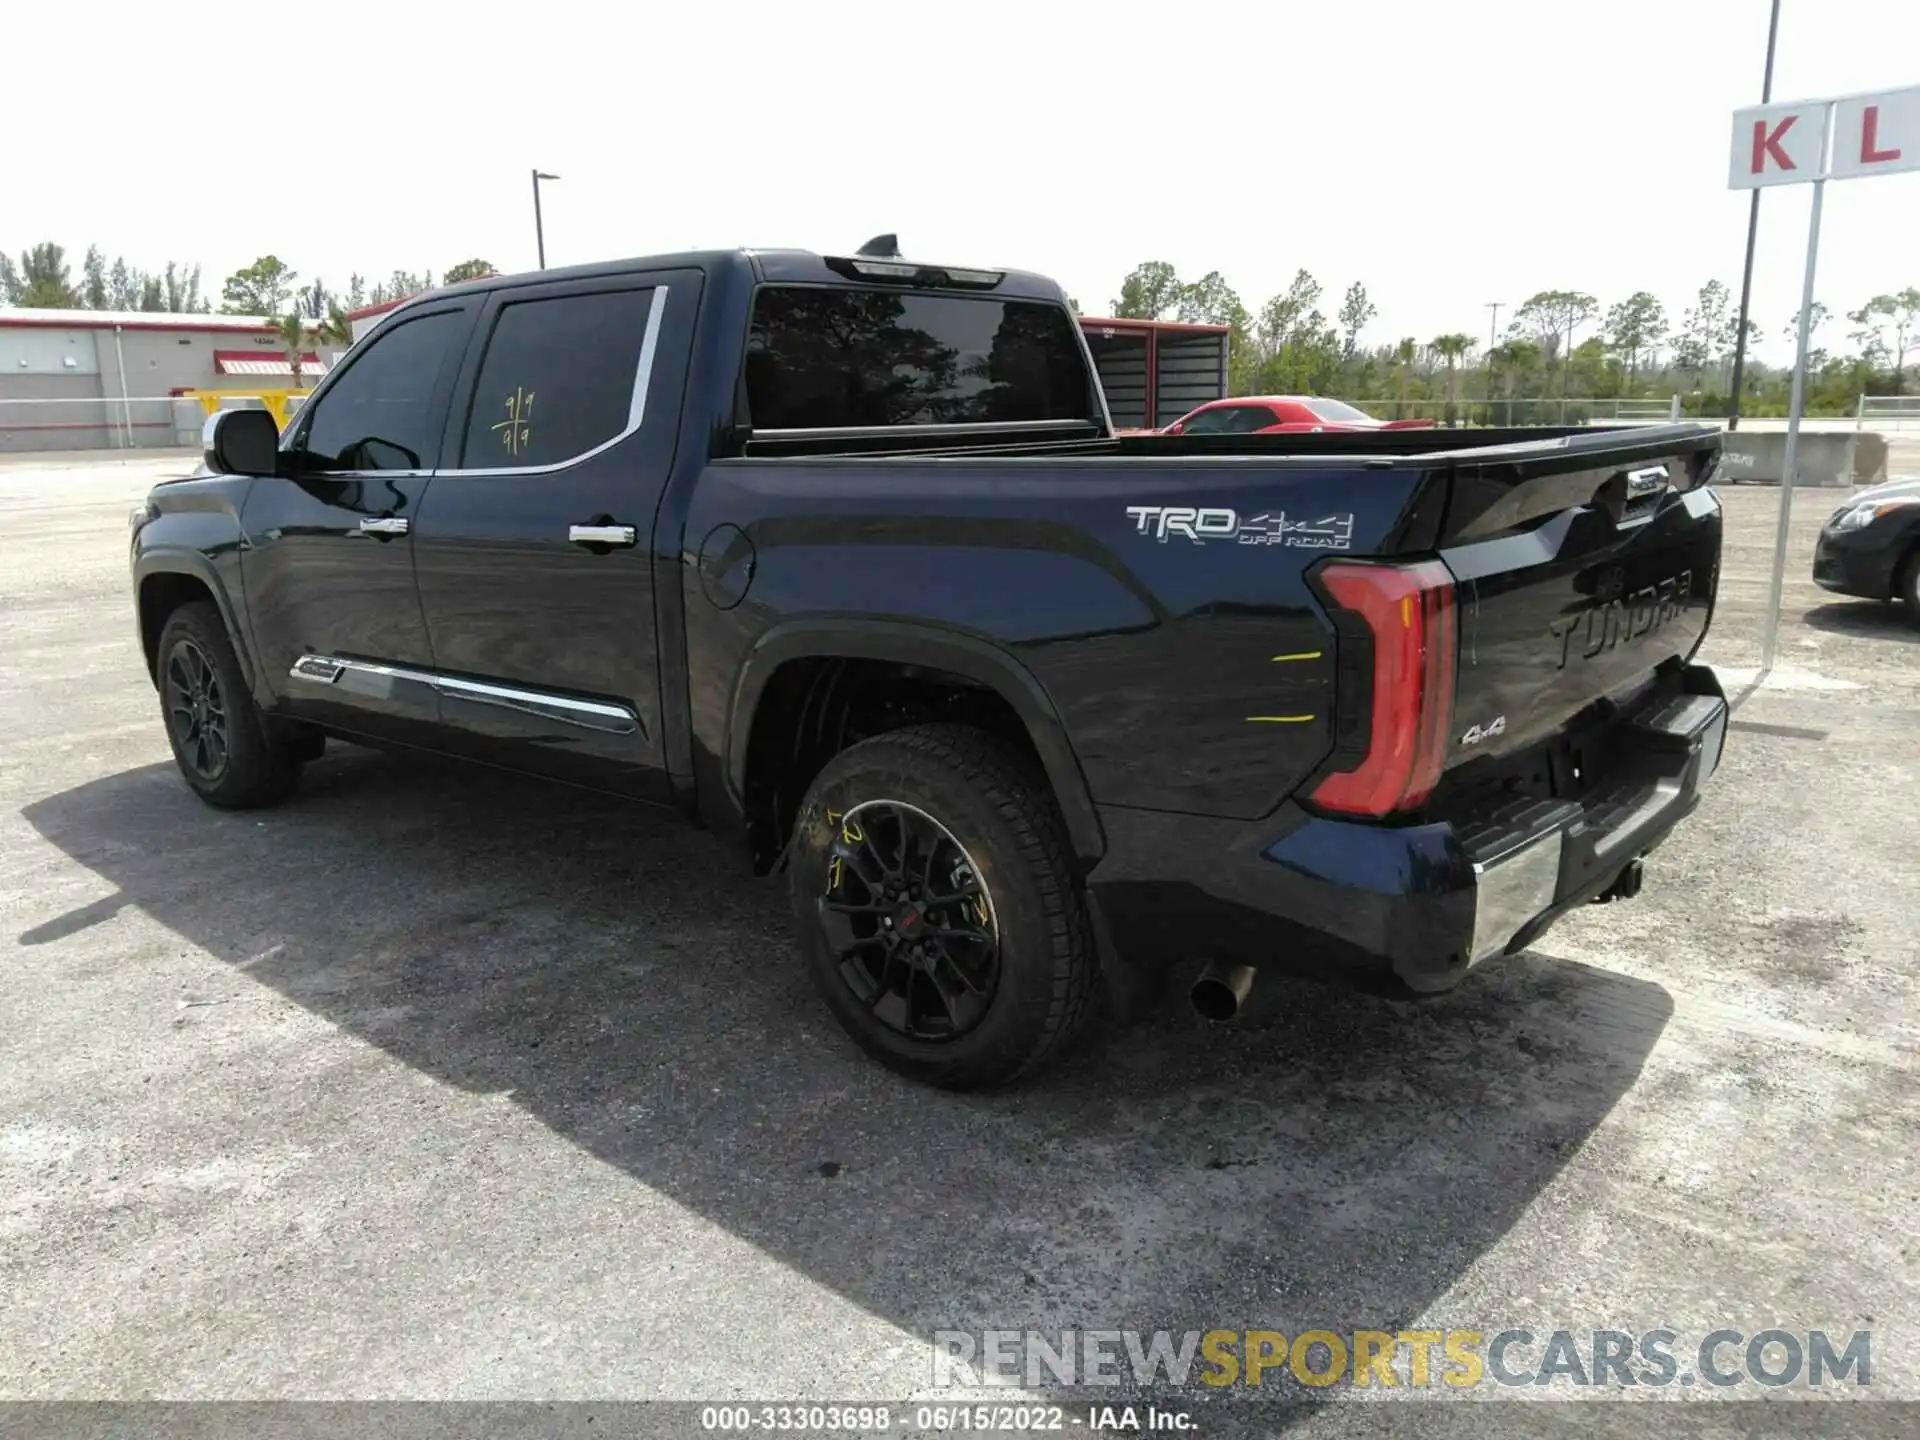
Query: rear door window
x=561, y=377
x=836, y=358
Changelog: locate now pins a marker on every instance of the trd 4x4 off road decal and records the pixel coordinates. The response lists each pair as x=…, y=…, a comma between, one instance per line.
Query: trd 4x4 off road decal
x=1322, y=532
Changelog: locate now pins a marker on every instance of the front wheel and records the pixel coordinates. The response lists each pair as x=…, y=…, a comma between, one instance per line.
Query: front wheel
x=1907, y=586
x=937, y=908
x=220, y=741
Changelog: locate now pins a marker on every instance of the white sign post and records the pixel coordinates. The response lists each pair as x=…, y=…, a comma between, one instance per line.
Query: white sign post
x=1874, y=134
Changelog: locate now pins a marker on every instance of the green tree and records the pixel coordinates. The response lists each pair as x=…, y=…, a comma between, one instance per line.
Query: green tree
x=291, y=331
x=94, y=283
x=400, y=285
x=1515, y=361
x=1148, y=293
x=1889, y=330
x=1816, y=317
x=181, y=287
x=1208, y=301
x=480, y=269
x=41, y=280
x=1634, y=326
x=1403, y=354
x=125, y=286
x=336, y=329
x=1551, y=317
x=1450, y=348
x=1211, y=301
x=1355, y=312
x=1294, y=348
x=263, y=288
x=1706, y=331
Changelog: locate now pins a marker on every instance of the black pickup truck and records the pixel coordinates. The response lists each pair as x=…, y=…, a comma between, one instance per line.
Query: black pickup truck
x=841, y=556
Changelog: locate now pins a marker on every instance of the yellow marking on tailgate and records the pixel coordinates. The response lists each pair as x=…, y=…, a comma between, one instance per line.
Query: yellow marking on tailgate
x=1302, y=655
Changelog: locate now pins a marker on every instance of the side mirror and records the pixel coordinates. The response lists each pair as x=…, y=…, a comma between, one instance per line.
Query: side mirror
x=241, y=442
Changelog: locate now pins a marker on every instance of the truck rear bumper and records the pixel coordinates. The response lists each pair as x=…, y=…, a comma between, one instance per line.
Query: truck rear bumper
x=1426, y=902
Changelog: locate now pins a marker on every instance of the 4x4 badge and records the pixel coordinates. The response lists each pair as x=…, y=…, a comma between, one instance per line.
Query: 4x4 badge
x=1217, y=522
x=1495, y=726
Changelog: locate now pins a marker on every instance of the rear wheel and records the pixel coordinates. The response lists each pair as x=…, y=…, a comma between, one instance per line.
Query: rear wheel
x=937, y=908
x=220, y=741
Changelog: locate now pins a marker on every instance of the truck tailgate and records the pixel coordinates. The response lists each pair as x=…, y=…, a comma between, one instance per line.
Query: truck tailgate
x=1581, y=568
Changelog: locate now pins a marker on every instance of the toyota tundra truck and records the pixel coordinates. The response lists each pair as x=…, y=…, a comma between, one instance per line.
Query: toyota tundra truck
x=841, y=556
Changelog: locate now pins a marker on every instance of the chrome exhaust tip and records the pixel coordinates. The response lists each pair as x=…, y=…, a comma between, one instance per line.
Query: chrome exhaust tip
x=1221, y=991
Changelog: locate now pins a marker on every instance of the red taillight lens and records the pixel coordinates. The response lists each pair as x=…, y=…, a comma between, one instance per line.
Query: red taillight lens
x=1409, y=611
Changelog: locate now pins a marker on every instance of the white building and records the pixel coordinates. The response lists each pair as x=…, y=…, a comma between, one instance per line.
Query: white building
x=102, y=379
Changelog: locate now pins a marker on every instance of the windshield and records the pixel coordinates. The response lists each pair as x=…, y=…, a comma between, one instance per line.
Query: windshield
x=1338, y=412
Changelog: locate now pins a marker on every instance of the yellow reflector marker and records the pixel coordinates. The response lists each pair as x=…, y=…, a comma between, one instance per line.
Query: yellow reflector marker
x=1303, y=655
x=1278, y=719
x=1406, y=611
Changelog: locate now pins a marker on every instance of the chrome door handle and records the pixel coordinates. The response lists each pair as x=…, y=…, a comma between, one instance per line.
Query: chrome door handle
x=603, y=534
x=384, y=525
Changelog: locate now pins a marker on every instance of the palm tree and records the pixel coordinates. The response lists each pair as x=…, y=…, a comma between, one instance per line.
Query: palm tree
x=1403, y=354
x=336, y=329
x=1512, y=357
x=291, y=331
x=1450, y=348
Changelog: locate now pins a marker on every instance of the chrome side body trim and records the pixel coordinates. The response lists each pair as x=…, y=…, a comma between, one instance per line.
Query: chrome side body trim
x=366, y=677
x=609, y=719
x=320, y=669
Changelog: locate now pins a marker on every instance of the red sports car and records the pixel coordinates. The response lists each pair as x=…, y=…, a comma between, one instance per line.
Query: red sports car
x=1280, y=414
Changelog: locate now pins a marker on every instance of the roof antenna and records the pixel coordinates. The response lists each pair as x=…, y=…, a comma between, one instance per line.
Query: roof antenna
x=886, y=246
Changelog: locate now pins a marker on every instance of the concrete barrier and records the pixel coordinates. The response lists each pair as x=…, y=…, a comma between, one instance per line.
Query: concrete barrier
x=1823, y=459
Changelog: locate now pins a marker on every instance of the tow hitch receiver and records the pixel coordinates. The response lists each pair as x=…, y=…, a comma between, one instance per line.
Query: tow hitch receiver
x=1625, y=885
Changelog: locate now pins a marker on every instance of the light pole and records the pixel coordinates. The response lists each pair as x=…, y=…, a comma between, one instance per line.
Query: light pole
x=539, y=230
x=1753, y=231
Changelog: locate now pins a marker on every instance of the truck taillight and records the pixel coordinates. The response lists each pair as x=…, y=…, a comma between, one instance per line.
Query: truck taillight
x=1408, y=611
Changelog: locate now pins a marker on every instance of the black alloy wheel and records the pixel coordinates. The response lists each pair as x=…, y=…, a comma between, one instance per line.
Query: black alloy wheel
x=221, y=741
x=197, y=712
x=938, y=907
x=909, y=921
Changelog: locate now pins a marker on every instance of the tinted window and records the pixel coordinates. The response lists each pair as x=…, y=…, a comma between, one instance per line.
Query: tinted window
x=1229, y=420
x=823, y=358
x=557, y=379
x=1337, y=412
x=379, y=414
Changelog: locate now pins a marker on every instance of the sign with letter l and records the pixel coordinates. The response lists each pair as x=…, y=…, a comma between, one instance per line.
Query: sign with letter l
x=1876, y=134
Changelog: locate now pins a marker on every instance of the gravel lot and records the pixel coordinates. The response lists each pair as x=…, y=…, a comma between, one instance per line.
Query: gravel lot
x=440, y=1084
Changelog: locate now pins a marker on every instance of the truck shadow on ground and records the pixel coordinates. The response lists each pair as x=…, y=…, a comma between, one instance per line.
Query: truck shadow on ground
x=1337, y=1162
x=1885, y=620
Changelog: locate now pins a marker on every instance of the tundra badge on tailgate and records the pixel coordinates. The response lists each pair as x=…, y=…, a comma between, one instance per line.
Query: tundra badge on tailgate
x=1324, y=532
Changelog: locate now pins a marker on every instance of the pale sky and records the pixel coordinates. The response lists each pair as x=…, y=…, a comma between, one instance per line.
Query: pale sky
x=1447, y=154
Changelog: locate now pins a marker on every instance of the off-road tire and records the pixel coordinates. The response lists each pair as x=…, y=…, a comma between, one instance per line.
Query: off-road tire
x=995, y=803
x=255, y=771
